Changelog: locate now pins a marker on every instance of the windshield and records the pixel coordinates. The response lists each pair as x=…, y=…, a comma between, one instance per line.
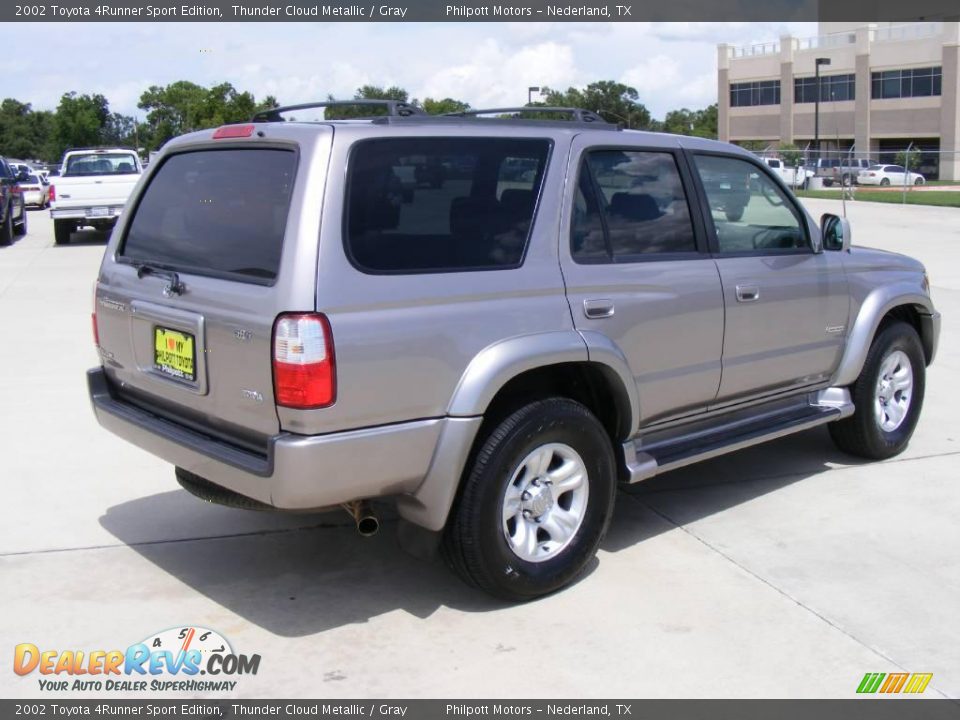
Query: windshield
x=100, y=164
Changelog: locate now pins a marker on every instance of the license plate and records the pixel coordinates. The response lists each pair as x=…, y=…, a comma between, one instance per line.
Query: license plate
x=99, y=211
x=173, y=353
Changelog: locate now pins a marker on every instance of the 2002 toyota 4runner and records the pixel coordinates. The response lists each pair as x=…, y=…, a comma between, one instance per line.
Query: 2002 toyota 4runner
x=293, y=326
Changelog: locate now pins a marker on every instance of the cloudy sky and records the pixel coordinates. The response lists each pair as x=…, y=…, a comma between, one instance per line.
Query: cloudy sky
x=486, y=64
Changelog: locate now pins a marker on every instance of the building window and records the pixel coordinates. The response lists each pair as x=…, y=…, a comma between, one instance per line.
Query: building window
x=748, y=94
x=832, y=87
x=916, y=82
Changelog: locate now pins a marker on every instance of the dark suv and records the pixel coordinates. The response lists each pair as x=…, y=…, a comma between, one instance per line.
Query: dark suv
x=13, y=214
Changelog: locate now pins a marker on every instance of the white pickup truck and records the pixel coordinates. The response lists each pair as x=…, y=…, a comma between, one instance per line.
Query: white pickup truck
x=795, y=177
x=92, y=188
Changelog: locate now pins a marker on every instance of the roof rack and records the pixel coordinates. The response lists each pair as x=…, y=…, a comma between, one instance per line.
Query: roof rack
x=394, y=108
x=576, y=114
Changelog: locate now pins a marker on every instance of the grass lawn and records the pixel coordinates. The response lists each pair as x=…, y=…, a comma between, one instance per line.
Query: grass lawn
x=943, y=198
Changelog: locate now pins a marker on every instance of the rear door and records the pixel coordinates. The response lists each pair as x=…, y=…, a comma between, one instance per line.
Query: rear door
x=632, y=254
x=196, y=275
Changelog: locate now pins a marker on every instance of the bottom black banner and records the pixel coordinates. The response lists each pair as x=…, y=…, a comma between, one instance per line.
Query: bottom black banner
x=855, y=709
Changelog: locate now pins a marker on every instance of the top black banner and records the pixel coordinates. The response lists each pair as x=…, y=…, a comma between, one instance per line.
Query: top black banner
x=480, y=11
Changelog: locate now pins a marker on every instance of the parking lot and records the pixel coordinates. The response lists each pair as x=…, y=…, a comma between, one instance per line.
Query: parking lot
x=785, y=570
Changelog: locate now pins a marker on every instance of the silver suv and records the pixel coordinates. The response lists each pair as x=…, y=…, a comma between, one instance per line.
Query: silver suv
x=490, y=322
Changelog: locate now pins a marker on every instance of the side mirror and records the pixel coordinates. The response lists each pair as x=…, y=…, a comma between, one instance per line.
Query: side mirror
x=835, y=232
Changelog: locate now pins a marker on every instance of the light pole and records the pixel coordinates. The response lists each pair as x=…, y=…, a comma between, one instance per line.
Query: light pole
x=530, y=91
x=816, y=106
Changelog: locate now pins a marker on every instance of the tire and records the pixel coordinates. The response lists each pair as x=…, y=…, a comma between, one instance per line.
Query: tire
x=62, y=230
x=734, y=214
x=863, y=434
x=20, y=228
x=884, y=181
x=918, y=181
x=6, y=229
x=845, y=180
x=483, y=540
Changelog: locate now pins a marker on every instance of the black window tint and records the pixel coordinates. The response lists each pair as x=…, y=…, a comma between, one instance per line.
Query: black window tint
x=643, y=206
x=588, y=241
x=215, y=212
x=442, y=204
x=750, y=212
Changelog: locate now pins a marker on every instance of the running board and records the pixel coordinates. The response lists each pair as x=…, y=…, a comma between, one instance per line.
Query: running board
x=646, y=458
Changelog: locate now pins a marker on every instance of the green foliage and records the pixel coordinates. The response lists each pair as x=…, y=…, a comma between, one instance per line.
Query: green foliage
x=367, y=92
x=183, y=107
x=79, y=121
x=909, y=159
x=447, y=105
x=790, y=153
x=23, y=132
x=615, y=102
x=700, y=123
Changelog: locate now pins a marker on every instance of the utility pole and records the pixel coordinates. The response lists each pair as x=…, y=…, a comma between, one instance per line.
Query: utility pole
x=816, y=107
x=530, y=91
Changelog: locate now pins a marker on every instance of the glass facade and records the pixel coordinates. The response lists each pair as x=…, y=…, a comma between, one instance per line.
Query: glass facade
x=748, y=94
x=832, y=88
x=915, y=82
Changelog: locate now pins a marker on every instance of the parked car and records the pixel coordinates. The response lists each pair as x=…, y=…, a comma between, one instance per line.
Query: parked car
x=889, y=175
x=92, y=189
x=35, y=190
x=494, y=360
x=13, y=213
x=849, y=169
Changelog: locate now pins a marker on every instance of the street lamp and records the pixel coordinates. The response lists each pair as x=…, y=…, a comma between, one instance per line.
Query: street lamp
x=530, y=91
x=816, y=106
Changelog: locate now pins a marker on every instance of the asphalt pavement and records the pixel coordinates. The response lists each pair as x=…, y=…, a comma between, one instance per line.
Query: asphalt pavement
x=785, y=570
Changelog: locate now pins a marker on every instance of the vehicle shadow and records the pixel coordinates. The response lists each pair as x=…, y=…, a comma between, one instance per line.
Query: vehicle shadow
x=297, y=575
x=87, y=237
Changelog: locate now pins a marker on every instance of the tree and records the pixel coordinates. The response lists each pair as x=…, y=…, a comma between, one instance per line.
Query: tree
x=615, y=102
x=183, y=107
x=790, y=153
x=700, y=123
x=23, y=132
x=909, y=159
x=447, y=105
x=79, y=121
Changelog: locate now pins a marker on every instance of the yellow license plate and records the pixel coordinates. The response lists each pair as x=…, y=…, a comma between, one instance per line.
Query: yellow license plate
x=173, y=353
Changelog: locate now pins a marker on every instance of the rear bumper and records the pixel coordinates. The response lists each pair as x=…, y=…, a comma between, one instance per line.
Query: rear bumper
x=298, y=472
x=87, y=213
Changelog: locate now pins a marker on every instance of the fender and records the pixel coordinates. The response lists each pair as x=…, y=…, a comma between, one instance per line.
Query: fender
x=877, y=304
x=492, y=368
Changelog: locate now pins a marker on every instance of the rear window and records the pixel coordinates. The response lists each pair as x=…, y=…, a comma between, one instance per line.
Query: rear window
x=100, y=164
x=418, y=205
x=215, y=212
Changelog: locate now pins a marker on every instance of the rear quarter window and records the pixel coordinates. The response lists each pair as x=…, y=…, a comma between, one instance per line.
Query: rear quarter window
x=422, y=205
x=215, y=212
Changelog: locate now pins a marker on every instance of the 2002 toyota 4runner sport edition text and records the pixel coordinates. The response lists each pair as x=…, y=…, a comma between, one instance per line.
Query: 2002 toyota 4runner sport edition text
x=542, y=310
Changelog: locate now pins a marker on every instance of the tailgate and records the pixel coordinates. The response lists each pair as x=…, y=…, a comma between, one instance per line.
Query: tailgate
x=102, y=190
x=190, y=288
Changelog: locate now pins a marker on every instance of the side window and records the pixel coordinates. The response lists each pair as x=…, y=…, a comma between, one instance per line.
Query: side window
x=417, y=205
x=750, y=211
x=630, y=205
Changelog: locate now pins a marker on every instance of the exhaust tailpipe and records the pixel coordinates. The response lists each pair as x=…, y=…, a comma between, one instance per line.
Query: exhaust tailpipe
x=366, y=520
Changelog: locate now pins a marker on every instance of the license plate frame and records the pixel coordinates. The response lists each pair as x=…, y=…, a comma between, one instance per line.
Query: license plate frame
x=100, y=211
x=175, y=353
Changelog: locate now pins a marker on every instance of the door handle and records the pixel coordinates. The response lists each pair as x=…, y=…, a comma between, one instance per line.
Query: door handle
x=748, y=293
x=598, y=308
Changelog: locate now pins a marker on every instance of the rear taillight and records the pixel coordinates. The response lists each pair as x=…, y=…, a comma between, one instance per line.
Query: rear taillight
x=53, y=193
x=93, y=318
x=304, y=367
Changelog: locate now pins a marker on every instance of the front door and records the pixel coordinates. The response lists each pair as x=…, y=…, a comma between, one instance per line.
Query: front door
x=786, y=305
x=634, y=260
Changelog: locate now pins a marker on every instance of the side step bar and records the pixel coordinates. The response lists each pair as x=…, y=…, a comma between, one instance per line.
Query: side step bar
x=646, y=458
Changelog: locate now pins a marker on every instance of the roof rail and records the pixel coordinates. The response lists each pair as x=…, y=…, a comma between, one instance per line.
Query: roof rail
x=396, y=108
x=576, y=114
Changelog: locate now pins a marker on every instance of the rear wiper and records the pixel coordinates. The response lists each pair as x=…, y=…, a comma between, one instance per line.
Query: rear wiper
x=176, y=287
